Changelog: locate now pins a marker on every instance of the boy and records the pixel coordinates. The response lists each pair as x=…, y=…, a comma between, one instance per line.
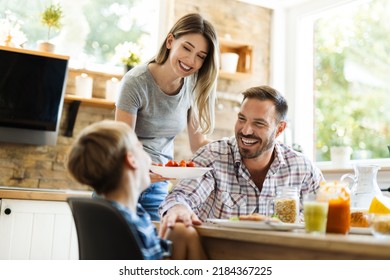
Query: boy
x=108, y=157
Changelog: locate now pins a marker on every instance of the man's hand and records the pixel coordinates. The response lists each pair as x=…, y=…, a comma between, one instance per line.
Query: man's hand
x=178, y=213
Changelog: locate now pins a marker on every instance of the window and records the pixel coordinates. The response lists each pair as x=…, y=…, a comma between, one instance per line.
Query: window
x=351, y=85
x=336, y=58
x=91, y=29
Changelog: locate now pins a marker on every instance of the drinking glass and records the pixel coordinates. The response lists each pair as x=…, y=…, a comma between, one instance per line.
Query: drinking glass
x=315, y=213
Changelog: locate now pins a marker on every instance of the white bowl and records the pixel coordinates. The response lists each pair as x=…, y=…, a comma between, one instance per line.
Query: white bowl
x=380, y=225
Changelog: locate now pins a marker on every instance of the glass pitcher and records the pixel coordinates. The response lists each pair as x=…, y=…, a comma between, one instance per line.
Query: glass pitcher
x=364, y=185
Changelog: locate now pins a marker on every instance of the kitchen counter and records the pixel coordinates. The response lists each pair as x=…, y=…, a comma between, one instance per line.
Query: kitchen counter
x=40, y=194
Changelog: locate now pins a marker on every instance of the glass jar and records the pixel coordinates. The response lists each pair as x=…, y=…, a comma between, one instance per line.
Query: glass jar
x=285, y=205
x=339, y=200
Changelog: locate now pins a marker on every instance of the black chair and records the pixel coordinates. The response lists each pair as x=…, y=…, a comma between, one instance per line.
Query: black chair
x=102, y=231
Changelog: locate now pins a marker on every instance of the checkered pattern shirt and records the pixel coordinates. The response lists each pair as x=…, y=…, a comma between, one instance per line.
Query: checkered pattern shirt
x=228, y=190
x=153, y=247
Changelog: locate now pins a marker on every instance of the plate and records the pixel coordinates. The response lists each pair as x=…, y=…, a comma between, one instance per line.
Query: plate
x=360, y=230
x=179, y=172
x=255, y=225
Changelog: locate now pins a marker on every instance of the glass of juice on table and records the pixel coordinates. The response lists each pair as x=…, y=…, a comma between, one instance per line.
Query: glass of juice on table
x=315, y=212
x=339, y=202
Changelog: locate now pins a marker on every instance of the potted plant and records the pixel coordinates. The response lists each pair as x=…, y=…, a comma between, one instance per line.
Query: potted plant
x=340, y=149
x=51, y=17
x=129, y=54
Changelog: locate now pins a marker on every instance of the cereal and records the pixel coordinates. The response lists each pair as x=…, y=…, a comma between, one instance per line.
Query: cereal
x=286, y=210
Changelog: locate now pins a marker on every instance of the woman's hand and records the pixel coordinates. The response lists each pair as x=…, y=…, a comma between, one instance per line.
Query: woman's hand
x=154, y=178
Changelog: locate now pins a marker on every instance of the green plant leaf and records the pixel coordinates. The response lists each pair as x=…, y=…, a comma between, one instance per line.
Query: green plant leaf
x=51, y=17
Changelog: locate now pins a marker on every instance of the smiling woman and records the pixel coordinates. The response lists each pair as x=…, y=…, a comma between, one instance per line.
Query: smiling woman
x=91, y=32
x=178, y=85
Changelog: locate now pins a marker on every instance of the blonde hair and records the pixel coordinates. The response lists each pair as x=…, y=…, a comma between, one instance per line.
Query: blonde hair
x=96, y=158
x=204, y=82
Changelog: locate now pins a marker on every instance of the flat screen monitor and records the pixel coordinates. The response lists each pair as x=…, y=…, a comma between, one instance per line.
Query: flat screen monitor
x=32, y=88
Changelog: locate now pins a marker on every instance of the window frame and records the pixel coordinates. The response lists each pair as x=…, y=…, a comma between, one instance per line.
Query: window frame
x=292, y=66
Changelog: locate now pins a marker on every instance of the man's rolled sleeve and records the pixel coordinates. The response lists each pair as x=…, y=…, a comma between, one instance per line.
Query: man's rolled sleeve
x=171, y=201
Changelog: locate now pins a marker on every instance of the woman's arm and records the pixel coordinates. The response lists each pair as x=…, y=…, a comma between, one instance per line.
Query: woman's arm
x=197, y=139
x=128, y=118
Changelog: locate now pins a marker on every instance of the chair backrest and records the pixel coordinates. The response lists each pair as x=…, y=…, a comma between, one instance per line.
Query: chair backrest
x=102, y=231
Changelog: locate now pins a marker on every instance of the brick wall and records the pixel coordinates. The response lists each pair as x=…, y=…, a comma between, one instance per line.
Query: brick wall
x=43, y=166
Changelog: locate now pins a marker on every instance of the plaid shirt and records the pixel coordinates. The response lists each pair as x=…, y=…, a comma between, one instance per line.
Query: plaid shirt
x=153, y=247
x=228, y=190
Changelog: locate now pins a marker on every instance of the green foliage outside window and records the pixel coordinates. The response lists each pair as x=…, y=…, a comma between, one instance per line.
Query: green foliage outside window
x=352, y=89
x=103, y=15
x=110, y=23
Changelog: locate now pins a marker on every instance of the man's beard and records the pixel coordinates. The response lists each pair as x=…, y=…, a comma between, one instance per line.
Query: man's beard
x=248, y=153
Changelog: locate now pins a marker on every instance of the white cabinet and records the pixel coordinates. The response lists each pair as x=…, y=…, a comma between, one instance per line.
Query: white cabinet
x=39, y=230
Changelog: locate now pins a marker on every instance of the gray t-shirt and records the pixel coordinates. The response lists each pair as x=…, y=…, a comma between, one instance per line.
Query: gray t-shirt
x=160, y=117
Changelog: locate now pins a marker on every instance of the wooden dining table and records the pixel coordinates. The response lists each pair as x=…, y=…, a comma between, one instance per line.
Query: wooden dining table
x=224, y=243
x=232, y=243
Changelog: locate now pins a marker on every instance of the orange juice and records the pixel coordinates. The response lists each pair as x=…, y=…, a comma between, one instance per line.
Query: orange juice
x=339, y=216
x=339, y=201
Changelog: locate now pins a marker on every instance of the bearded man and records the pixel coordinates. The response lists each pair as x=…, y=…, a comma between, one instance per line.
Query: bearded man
x=247, y=170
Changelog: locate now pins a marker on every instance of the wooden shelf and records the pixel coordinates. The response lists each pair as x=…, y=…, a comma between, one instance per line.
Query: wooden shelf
x=233, y=76
x=245, y=60
x=34, y=52
x=94, y=102
x=94, y=74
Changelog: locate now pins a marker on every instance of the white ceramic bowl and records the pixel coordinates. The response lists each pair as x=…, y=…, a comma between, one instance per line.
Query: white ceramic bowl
x=380, y=225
